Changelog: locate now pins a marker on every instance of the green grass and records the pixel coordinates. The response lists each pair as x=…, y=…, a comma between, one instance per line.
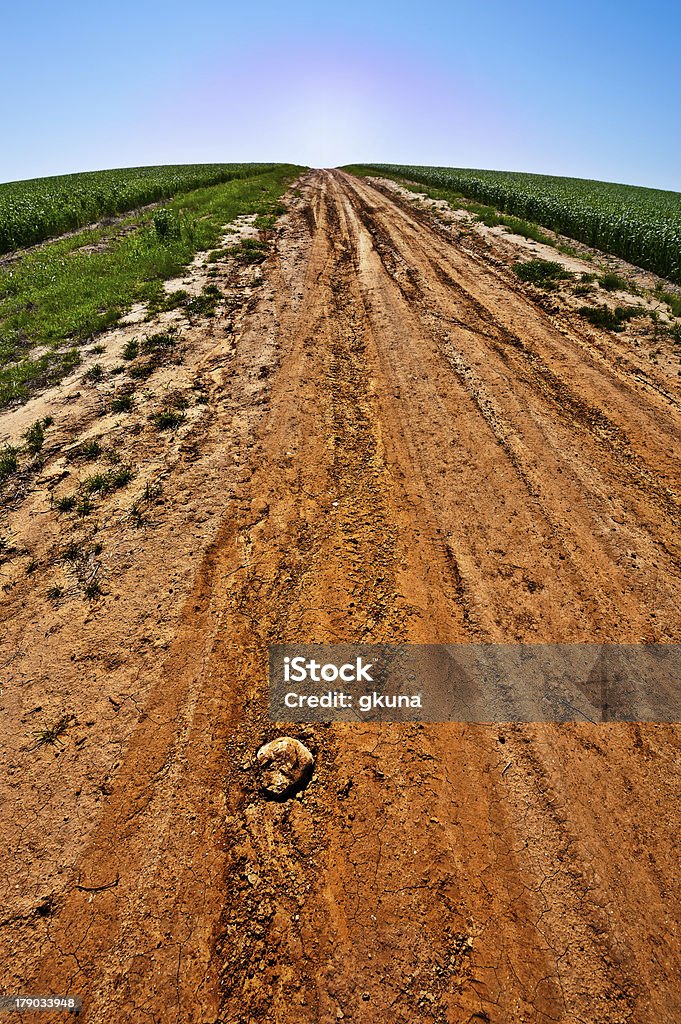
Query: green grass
x=168, y=419
x=9, y=461
x=31, y=211
x=543, y=273
x=122, y=403
x=672, y=299
x=57, y=297
x=610, y=319
x=641, y=225
x=614, y=283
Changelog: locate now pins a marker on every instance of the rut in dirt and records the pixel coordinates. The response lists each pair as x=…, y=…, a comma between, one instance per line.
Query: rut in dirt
x=439, y=461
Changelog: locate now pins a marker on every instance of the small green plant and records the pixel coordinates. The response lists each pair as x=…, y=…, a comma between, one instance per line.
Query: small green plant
x=204, y=304
x=67, y=503
x=98, y=350
x=158, y=343
x=35, y=436
x=92, y=590
x=55, y=593
x=168, y=419
x=9, y=462
x=614, y=283
x=543, y=273
x=104, y=483
x=170, y=300
x=166, y=224
x=250, y=250
x=130, y=349
x=84, y=507
x=143, y=370
x=91, y=449
x=31, y=566
x=52, y=734
x=95, y=374
x=136, y=514
x=96, y=484
x=72, y=552
x=122, y=403
x=673, y=300
x=610, y=319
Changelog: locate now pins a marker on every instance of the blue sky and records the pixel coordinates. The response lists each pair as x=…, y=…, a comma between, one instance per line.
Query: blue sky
x=584, y=88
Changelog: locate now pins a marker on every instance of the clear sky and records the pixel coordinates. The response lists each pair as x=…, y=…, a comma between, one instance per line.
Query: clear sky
x=580, y=88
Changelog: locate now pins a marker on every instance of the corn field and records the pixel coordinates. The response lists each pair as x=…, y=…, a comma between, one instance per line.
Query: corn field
x=40, y=208
x=641, y=225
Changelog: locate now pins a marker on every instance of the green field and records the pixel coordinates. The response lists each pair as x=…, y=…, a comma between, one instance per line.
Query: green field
x=40, y=208
x=58, y=296
x=641, y=225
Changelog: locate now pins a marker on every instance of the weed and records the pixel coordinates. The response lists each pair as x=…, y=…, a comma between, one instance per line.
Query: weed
x=543, y=273
x=98, y=350
x=672, y=299
x=614, y=283
x=65, y=504
x=92, y=590
x=94, y=374
x=32, y=565
x=136, y=514
x=166, y=224
x=91, y=449
x=52, y=734
x=249, y=251
x=105, y=483
x=130, y=349
x=95, y=484
x=144, y=370
x=204, y=304
x=610, y=319
x=35, y=436
x=9, y=462
x=84, y=507
x=72, y=552
x=167, y=419
x=122, y=403
x=55, y=593
x=156, y=343
x=120, y=477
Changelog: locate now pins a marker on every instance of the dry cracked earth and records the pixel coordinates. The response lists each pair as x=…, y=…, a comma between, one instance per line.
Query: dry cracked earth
x=389, y=439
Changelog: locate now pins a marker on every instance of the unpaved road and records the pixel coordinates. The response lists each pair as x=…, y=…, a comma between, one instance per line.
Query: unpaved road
x=403, y=447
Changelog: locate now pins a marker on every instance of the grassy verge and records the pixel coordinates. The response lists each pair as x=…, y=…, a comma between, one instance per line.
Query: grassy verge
x=32, y=211
x=55, y=298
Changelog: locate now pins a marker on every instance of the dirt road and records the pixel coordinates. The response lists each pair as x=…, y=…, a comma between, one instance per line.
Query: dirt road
x=417, y=452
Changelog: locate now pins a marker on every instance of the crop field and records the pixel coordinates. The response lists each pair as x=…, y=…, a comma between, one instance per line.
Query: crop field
x=40, y=208
x=641, y=225
x=57, y=296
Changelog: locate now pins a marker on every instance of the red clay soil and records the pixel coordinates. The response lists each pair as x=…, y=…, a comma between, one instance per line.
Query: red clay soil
x=399, y=444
